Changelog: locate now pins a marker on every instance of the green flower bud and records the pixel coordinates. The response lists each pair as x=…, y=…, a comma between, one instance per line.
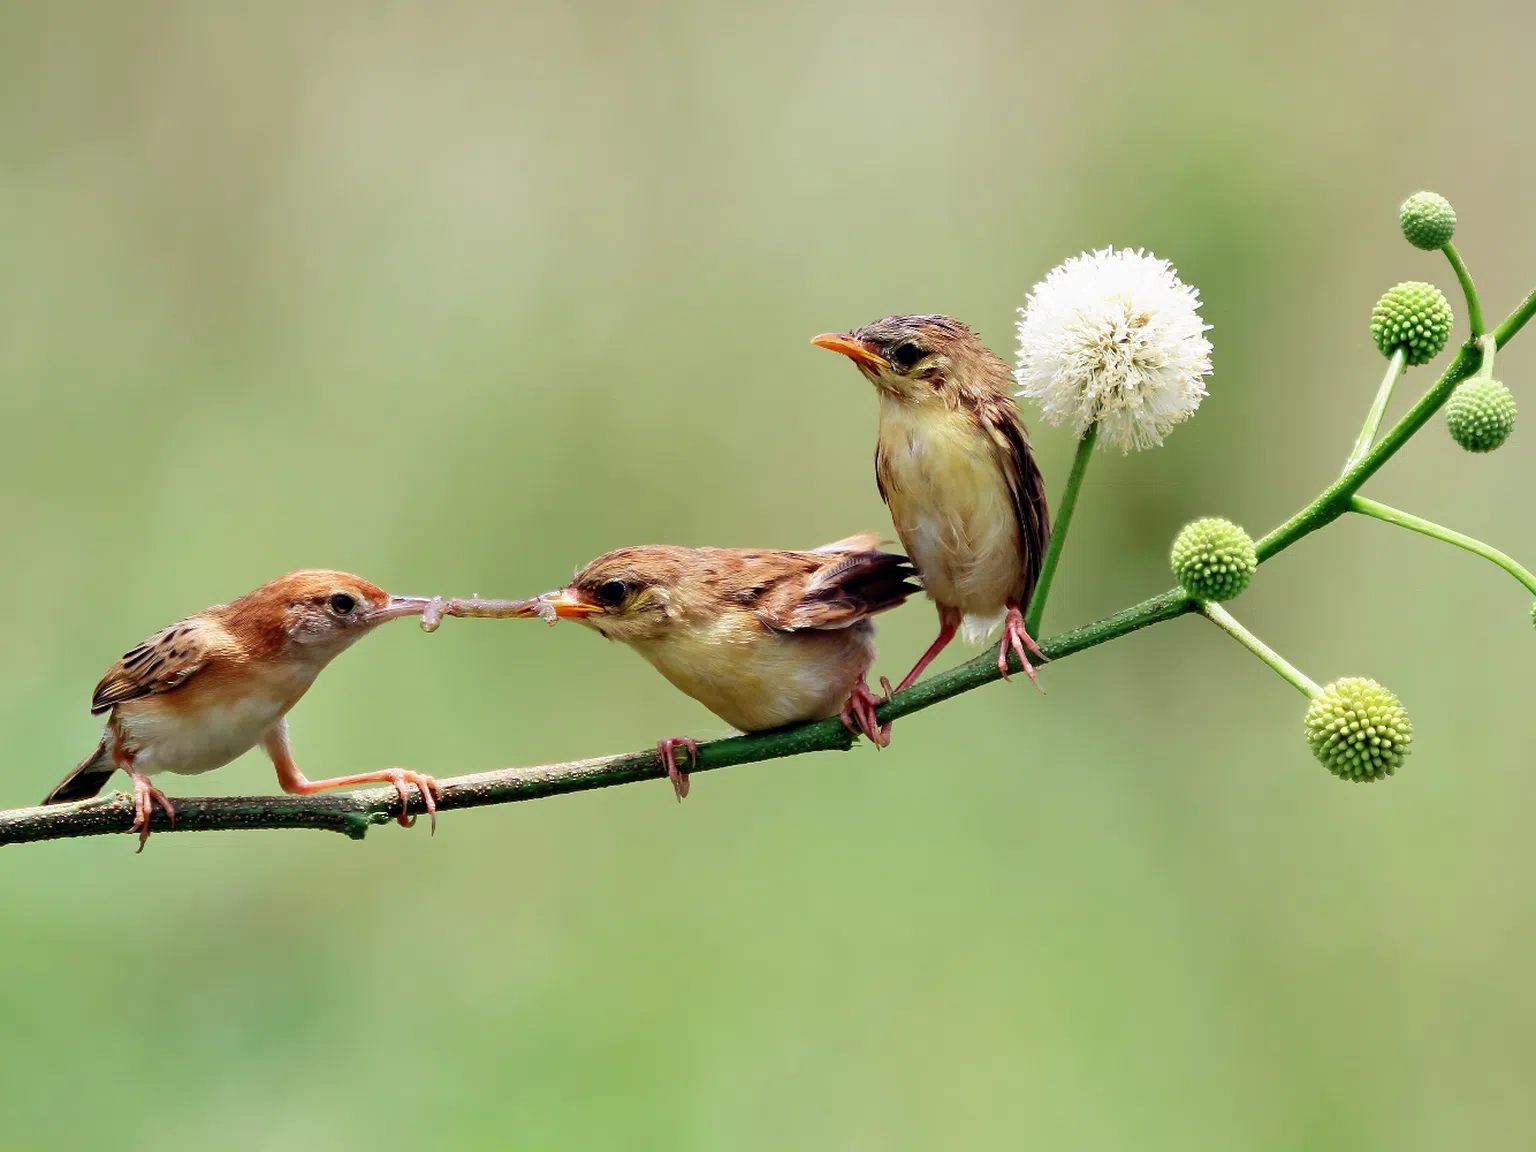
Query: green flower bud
x=1415, y=316
x=1428, y=220
x=1480, y=414
x=1358, y=730
x=1213, y=558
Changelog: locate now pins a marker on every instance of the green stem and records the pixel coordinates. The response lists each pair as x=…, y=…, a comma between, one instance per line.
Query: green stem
x=1488, y=348
x=1228, y=623
x=354, y=812
x=1435, y=531
x=1059, y=531
x=1378, y=407
x=1468, y=289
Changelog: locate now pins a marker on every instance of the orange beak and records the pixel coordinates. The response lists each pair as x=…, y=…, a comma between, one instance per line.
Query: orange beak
x=856, y=350
x=567, y=603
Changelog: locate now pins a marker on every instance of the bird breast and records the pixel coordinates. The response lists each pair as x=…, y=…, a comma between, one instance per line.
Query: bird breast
x=754, y=678
x=216, y=716
x=952, y=506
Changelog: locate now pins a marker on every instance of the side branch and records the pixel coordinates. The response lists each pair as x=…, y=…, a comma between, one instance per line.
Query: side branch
x=352, y=813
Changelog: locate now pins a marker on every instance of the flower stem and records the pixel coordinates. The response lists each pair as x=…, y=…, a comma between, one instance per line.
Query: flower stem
x=1059, y=531
x=1488, y=346
x=1413, y=523
x=1468, y=289
x=1378, y=407
x=1224, y=620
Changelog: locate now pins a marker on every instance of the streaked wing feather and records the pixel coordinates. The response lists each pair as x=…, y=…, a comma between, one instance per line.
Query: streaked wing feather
x=163, y=663
x=836, y=590
x=1027, y=485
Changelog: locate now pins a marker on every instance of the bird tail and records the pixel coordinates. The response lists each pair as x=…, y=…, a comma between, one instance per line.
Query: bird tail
x=89, y=777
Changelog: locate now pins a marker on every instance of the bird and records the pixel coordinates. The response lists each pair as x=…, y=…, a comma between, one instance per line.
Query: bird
x=953, y=464
x=208, y=688
x=762, y=638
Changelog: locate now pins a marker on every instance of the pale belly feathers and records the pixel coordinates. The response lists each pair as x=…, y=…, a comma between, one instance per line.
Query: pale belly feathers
x=791, y=676
x=207, y=729
x=955, y=514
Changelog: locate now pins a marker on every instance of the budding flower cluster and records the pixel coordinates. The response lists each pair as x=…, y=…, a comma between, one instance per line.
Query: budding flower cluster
x=1214, y=559
x=1358, y=729
x=1428, y=220
x=1480, y=414
x=1414, y=316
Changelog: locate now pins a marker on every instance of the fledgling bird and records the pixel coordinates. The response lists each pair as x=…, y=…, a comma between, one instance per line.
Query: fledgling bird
x=954, y=465
x=761, y=638
x=201, y=692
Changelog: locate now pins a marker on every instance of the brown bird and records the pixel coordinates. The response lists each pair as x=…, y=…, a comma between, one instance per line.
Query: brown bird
x=196, y=695
x=761, y=638
x=953, y=464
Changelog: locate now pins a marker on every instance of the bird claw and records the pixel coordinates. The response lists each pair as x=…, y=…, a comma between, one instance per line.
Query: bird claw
x=858, y=714
x=668, y=749
x=145, y=797
x=431, y=793
x=1016, y=639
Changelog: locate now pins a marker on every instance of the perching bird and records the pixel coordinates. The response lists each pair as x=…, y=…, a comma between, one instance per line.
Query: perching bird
x=761, y=638
x=196, y=695
x=954, y=465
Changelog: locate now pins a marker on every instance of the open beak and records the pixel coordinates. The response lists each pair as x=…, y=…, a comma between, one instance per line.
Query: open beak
x=567, y=604
x=855, y=350
x=399, y=606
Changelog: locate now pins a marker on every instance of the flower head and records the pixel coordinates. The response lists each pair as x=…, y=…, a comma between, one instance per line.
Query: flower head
x=1358, y=729
x=1114, y=338
x=1414, y=316
x=1214, y=559
x=1428, y=220
x=1480, y=414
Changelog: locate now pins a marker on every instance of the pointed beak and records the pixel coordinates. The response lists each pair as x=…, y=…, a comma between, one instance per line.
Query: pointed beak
x=567, y=604
x=399, y=606
x=856, y=350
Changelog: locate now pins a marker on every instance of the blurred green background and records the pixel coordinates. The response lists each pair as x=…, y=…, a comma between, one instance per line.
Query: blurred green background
x=457, y=297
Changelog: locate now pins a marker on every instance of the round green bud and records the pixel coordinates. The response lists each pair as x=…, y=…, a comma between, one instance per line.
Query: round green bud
x=1213, y=558
x=1415, y=316
x=1480, y=414
x=1358, y=730
x=1428, y=220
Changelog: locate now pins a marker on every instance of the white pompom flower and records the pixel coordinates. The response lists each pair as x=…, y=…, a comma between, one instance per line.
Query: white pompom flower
x=1114, y=338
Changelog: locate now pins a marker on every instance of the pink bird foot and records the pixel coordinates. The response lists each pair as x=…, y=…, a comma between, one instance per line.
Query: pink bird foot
x=668, y=749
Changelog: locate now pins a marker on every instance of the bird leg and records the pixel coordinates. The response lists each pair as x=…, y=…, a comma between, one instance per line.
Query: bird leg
x=668, y=749
x=858, y=714
x=145, y=797
x=1015, y=638
x=292, y=781
x=949, y=624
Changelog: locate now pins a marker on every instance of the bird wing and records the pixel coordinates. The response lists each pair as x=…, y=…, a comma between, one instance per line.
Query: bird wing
x=164, y=662
x=833, y=589
x=1000, y=417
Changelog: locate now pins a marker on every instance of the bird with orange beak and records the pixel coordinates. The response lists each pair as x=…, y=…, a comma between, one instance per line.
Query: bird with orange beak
x=953, y=463
x=203, y=691
x=762, y=638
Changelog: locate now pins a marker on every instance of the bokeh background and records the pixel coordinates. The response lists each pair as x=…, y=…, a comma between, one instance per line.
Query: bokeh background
x=459, y=296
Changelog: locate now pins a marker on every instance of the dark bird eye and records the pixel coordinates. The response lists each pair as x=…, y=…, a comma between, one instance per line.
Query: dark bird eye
x=341, y=603
x=612, y=593
x=906, y=356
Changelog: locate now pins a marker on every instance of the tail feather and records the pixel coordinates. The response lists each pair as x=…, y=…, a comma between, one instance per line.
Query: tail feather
x=88, y=779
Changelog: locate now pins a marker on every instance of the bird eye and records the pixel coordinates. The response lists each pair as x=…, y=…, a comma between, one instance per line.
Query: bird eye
x=341, y=604
x=906, y=356
x=612, y=593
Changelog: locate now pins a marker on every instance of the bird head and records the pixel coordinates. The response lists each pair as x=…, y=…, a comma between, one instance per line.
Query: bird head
x=322, y=611
x=922, y=359
x=625, y=595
